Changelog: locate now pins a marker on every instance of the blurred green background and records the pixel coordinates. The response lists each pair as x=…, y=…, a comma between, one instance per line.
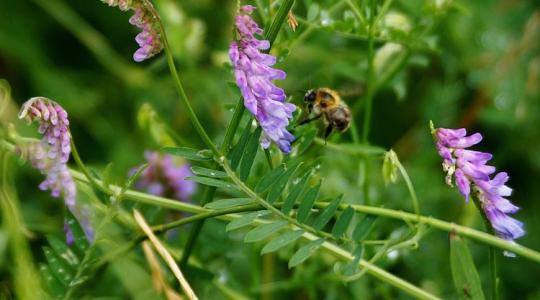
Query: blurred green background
x=473, y=64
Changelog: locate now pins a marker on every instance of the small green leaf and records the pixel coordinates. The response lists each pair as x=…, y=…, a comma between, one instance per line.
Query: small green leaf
x=211, y=182
x=60, y=269
x=327, y=214
x=306, y=140
x=249, y=154
x=63, y=251
x=295, y=192
x=343, y=222
x=263, y=231
x=228, y=203
x=54, y=285
x=364, y=228
x=282, y=241
x=353, y=267
x=313, y=12
x=466, y=279
x=281, y=182
x=269, y=179
x=307, y=203
x=305, y=252
x=188, y=153
x=208, y=172
x=79, y=238
x=238, y=150
x=245, y=220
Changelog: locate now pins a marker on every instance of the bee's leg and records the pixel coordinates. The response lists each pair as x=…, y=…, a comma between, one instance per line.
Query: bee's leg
x=305, y=121
x=327, y=132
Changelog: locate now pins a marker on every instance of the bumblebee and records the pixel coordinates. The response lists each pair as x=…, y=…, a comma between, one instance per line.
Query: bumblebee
x=326, y=103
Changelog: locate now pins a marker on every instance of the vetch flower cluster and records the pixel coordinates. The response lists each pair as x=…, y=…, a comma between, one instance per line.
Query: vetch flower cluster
x=149, y=39
x=473, y=176
x=254, y=75
x=51, y=154
x=163, y=177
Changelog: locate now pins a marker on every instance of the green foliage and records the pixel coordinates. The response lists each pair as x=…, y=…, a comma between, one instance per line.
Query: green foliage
x=470, y=64
x=466, y=279
x=63, y=270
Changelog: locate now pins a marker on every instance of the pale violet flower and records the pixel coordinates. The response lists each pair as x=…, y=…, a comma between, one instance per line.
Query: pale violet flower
x=254, y=76
x=473, y=177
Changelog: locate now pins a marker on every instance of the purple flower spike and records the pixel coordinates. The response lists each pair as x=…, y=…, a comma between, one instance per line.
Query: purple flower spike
x=51, y=154
x=165, y=177
x=470, y=173
x=254, y=75
x=149, y=39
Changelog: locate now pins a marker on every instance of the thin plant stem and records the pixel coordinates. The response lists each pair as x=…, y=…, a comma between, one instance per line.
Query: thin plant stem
x=84, y=169
x=470, y=233
x=178, y=83
x=270, y=35
x=492, y=254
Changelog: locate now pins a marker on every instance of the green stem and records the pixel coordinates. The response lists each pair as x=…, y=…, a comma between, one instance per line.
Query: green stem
x=84, y=170
x=178, y=84
x=370, y=88
x=270, y=35
x=491, y=251
x=470, y=233
x=196, y=229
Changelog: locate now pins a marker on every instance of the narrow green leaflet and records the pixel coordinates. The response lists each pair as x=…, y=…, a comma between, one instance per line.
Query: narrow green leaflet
x=282, y=241
x=211, y=182
x=60, y=269
x=60, y=248
x=280, y=184
x=79, y=238
x=466, y=279
x=306, y=140
x=53, y=284
x=305, y=252
x=295, y=191
x=245, y=220
x=269, y=179
x=249, y=154
x=228, y=203
x=327, y=214
x=263, y=231
x=307, y=203
x=343, y=222
x=208, y=172
x=363, y=228
x=236, y=152
x=188, y=153
x=353, y=266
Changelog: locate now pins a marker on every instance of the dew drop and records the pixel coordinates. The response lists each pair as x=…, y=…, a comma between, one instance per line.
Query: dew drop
x=393, y=255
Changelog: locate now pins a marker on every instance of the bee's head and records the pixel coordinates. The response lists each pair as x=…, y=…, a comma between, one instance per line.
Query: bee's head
x=310, y=96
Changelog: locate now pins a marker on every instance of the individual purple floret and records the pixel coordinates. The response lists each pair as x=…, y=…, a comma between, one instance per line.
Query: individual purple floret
x=51, y=154
x=254, y=75
x=149, y=39
x=163, y=177
x=472, y=176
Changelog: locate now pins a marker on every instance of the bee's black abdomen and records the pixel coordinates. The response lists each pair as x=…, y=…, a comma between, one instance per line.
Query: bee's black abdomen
x=341, y=118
